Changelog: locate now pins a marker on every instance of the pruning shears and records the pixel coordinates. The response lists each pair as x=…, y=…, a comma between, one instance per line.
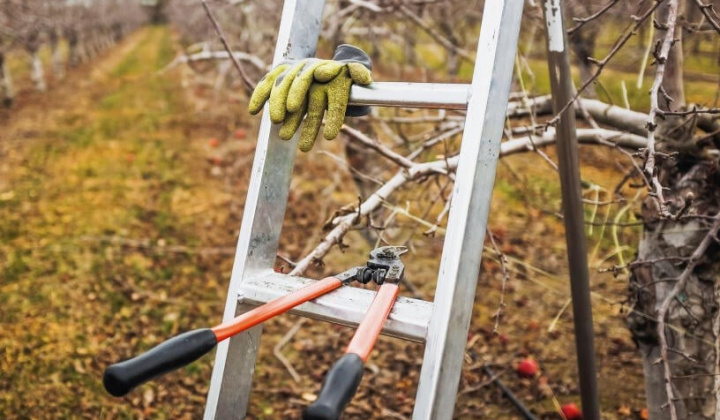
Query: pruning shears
x=383, y=268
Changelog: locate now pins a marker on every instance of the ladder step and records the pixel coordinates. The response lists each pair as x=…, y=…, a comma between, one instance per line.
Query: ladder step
x=408, y=319
x=412, y=95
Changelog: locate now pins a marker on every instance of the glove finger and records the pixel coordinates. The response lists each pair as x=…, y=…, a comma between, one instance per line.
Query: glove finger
x=360, y=74
x=292, y=121
x=338, y=94
x=328, y=71
x=279, y=94
x=317, y=103
x=301, y=85
x=262, y=91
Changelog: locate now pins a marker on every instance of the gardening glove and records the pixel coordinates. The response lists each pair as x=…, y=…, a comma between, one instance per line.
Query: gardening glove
x=313, y=86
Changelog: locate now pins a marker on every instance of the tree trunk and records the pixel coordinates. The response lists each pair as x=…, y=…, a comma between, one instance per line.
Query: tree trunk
x=692, y=324
x=157, y=14
x=693, y=315
x=582, y=44
x=673, y=80
x=410, y=44
x=37, y=73
x=73, y=48
x=7, y=95
x=56, y=56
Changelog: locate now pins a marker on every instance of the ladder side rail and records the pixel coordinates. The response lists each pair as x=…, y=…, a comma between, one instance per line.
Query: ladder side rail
x=462, y=251
x=262, y=221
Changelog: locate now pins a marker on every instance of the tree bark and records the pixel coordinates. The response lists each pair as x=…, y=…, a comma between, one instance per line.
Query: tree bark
x=7, y=94
x=692, y=356
x=37, y=72
x=74, y=57
x=673, y=80
x=56, y=56
x=692, y=324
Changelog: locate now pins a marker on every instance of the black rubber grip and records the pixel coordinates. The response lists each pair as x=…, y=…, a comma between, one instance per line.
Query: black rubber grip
x=121, y=378
x=338, y=389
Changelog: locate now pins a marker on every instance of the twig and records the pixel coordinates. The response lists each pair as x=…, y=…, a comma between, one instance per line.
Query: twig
x=435, y=35
x=705, y=9
x=583, y=21
x=248, y=82
x=446, y=209
x=505, y=277
x=390, y=414
x=286, y=260
x=694, y=111
x=383, y=150
x=277, y=350
x=665, y=306
x=437, y=139
x=215, y=55
x=555, y=320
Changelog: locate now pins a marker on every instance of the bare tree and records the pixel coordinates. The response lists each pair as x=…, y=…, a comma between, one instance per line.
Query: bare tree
x=88, y=26
x=676, y=272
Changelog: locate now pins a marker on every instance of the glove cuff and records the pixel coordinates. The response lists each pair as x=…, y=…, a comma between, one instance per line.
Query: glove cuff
x=357, y=111
x=347, y=52
x=351, y=53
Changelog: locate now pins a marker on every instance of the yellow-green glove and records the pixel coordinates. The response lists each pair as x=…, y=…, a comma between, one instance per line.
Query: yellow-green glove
x=313, y=86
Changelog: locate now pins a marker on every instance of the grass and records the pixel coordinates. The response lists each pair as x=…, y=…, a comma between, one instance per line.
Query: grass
x=116, y=168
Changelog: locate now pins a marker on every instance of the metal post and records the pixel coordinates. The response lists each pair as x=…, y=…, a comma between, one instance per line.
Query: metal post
x=460, y=263
x=262, y=220
x=562, y=93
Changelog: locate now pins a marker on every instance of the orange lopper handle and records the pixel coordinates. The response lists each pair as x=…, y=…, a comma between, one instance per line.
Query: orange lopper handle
x=344, y=377
x=369, y=329
x=275, y=307
x=121, y=378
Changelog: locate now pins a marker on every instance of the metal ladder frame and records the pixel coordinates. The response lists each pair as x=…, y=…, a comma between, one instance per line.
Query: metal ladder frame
x=443, y=324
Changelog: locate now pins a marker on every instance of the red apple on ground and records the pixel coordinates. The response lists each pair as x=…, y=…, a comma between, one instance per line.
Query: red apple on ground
x=571, y=411
x=240, y=134
x=527, y=368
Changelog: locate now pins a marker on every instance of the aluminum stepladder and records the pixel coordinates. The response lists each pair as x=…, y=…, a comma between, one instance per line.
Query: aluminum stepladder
x=443, y=324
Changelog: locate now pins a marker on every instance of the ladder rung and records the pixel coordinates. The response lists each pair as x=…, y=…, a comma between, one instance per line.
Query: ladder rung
x=408, y=319
x=412, y=95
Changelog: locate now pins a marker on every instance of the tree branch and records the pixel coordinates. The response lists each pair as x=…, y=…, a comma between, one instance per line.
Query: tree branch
x=248, y=82
x=650, y=161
